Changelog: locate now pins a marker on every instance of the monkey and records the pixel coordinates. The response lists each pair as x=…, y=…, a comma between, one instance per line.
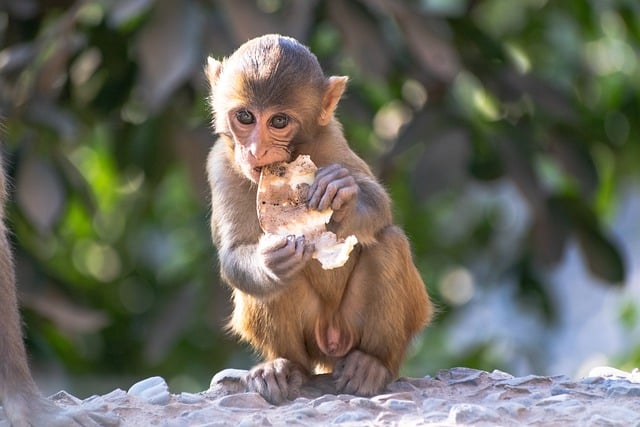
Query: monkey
x=271, y=102
x=21, y=400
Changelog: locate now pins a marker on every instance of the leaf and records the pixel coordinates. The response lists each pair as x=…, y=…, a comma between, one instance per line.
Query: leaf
x=421, y=125
x=550, y=101
x=429, y=46
x=123, y=11
x=247, y=20
x=443, y=163
x=168, y=50
x=486, y=163
x=40, y=193
x=16, y=57
x=576, y=160
x=70, y=318
x=548, y=234
x=515, y=155
x=601, y=255
x=362, y=39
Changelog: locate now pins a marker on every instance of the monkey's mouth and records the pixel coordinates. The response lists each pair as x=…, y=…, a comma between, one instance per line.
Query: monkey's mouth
x=255, y=173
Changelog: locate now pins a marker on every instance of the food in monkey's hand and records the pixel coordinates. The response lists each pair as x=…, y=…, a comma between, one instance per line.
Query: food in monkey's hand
x=282, y=198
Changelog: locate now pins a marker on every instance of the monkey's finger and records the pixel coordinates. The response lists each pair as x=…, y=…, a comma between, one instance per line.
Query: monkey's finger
x=332, y=172
x=362, y=370
x=274, y=392
x=280, y=261
x=350, y=369
x=292, y=250
x=344, y=196
x=309, y=249
x=273, y=242
x=369, y=375
x=343, y=373
x=287, y=261
x=253, y=378
x=257, y=382
x=281, y=371
x=294, y=260
x=279, y=253
x=375, y=380
x=352, y=378
x=332, y=190
x=324, y=177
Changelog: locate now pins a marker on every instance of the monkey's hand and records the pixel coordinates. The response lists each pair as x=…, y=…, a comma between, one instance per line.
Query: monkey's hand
x=284, y=256
x=277, y=381
x=334, y=187
x=361, y=374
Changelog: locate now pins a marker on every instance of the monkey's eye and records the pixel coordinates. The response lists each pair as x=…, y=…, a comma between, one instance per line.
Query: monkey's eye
x=245, y=117
x=279, y=121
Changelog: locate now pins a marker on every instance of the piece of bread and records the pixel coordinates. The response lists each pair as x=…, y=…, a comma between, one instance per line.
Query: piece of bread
x=283, y=192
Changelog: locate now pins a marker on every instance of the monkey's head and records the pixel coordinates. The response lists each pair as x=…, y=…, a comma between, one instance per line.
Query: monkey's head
x=270, y=96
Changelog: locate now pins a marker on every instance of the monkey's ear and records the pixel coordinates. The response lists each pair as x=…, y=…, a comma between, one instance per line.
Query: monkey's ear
x=212, y=70
x=335, y=89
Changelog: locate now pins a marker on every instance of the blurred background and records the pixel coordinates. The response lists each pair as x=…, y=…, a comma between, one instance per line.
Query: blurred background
x=506, y=131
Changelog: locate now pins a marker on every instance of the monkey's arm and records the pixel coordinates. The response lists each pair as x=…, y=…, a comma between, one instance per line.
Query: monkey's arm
x=250, y=261
x=261, y=269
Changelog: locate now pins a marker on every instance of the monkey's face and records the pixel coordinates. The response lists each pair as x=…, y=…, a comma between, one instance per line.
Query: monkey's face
x=261, y=137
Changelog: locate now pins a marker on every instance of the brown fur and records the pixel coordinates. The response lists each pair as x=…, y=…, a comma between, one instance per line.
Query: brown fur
x=356, y=320
x=22, y=402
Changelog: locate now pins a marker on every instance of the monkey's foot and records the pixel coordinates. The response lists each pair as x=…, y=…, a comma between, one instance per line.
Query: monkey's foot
x=361, y=374
x=277, y=381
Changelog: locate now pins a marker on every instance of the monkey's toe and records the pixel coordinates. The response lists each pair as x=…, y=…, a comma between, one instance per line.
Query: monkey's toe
x=361, y=374
x=276, y=381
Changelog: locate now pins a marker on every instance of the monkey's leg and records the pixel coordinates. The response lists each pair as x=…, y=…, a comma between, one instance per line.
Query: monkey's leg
x=396, y=307
x=275, y=329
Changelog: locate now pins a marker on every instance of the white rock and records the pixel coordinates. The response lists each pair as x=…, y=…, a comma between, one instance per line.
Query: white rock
x=352, y=416
x=468, y=413
x=154, y=390
x=400, y=405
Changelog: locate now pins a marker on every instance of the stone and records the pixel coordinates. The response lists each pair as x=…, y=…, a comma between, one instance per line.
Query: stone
x=467, y=413
x=400, y=405
x=466, y=376
x=458, y=396
x=154, y=390
x=332, y=407
x=351, y=416
x=65, y=398
x=361, y=402
x=189, y=398
x=433, y=404
x=243, y=401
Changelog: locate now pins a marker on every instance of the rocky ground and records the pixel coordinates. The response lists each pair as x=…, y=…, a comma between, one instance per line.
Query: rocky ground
x=459, y=396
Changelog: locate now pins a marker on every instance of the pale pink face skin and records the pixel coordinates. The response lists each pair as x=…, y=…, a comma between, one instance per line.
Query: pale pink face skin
x=261, y=138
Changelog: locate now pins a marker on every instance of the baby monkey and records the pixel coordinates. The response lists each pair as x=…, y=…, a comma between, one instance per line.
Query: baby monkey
x=272, y=102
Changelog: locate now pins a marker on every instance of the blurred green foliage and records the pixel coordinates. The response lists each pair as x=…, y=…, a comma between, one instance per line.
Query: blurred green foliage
x=503, y=130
